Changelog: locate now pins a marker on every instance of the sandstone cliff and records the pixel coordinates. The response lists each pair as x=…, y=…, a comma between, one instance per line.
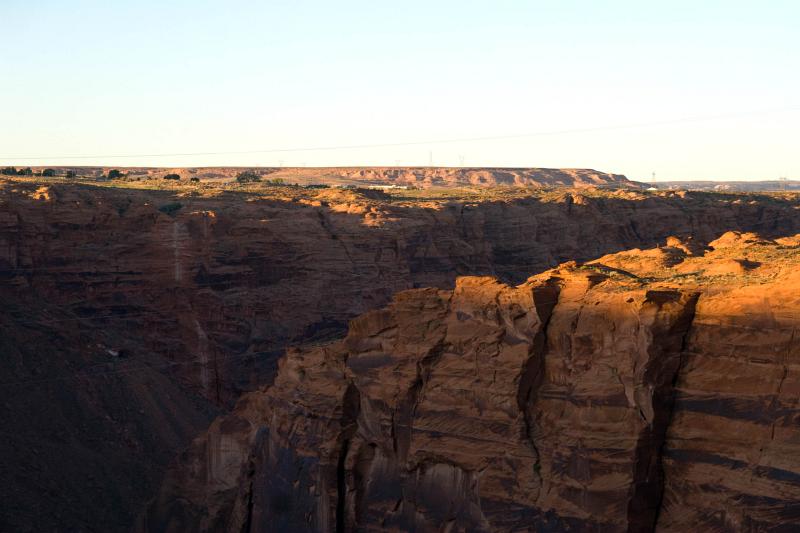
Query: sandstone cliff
x=587, y=398
x=109, y=293
x=222, y=283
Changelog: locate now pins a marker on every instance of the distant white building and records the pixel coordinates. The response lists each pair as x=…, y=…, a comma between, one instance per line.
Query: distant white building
x=387, y=187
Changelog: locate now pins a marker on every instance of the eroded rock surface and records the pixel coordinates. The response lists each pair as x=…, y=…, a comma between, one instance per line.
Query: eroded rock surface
x=732, y=457
x=587, y=398
x=111, y=292
x=221, y=284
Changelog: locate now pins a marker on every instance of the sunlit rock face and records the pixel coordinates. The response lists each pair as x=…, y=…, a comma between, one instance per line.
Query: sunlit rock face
x=587, y=398
x=179, y=309
x=221, y=283
x=483, y=408
x=732, y=456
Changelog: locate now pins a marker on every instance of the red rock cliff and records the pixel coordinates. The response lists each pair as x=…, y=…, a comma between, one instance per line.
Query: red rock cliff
x=586, y=398
x=109, y=293
x=221, y=284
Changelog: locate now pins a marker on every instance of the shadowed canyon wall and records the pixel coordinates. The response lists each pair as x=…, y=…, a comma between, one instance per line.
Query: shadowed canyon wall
x=575, y=401
x=222, y=284
x=129, y=320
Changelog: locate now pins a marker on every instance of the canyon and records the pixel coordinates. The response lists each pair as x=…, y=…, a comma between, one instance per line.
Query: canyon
x=588, y=398
x=480, y=386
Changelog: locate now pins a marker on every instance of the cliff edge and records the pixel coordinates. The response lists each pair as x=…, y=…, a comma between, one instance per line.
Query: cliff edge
x=589, y=397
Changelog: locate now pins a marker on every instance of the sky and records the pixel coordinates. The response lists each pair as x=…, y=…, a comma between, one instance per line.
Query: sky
x=685, y=89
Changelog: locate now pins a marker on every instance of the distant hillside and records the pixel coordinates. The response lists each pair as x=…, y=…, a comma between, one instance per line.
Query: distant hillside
x=403, y=176
x=433, y=176
x=732, y=186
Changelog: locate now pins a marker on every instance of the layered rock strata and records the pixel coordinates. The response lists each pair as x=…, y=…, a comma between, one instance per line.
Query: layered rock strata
x=402, y=176
x=222, y=283
x=201, y=290
x=587, y=398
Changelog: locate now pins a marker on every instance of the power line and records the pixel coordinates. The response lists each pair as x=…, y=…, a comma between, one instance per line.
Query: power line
x=699, y=118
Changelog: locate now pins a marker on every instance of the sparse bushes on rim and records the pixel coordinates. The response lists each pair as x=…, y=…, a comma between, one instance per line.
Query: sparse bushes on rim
x=114, y=174
x=48, y=173
x=27, y=171
x=172, y=177
x=247, y=176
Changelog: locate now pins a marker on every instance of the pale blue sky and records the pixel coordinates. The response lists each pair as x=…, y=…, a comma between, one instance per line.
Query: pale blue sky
x=101, y=78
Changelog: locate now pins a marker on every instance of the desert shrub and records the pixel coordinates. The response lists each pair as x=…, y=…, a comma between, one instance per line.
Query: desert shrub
x=71, y=173
x=25, y=172
x=114, y=174
x=170, y=209
x=247, y=176
x=9, y=171
x=276, y=182
x=172, y=177
x=48, y=172
x=194, y=178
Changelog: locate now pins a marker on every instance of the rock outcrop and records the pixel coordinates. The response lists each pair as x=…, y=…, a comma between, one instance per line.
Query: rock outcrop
x=221, y=284
x=110, y=292
x=732, y=455
x=586, y=398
